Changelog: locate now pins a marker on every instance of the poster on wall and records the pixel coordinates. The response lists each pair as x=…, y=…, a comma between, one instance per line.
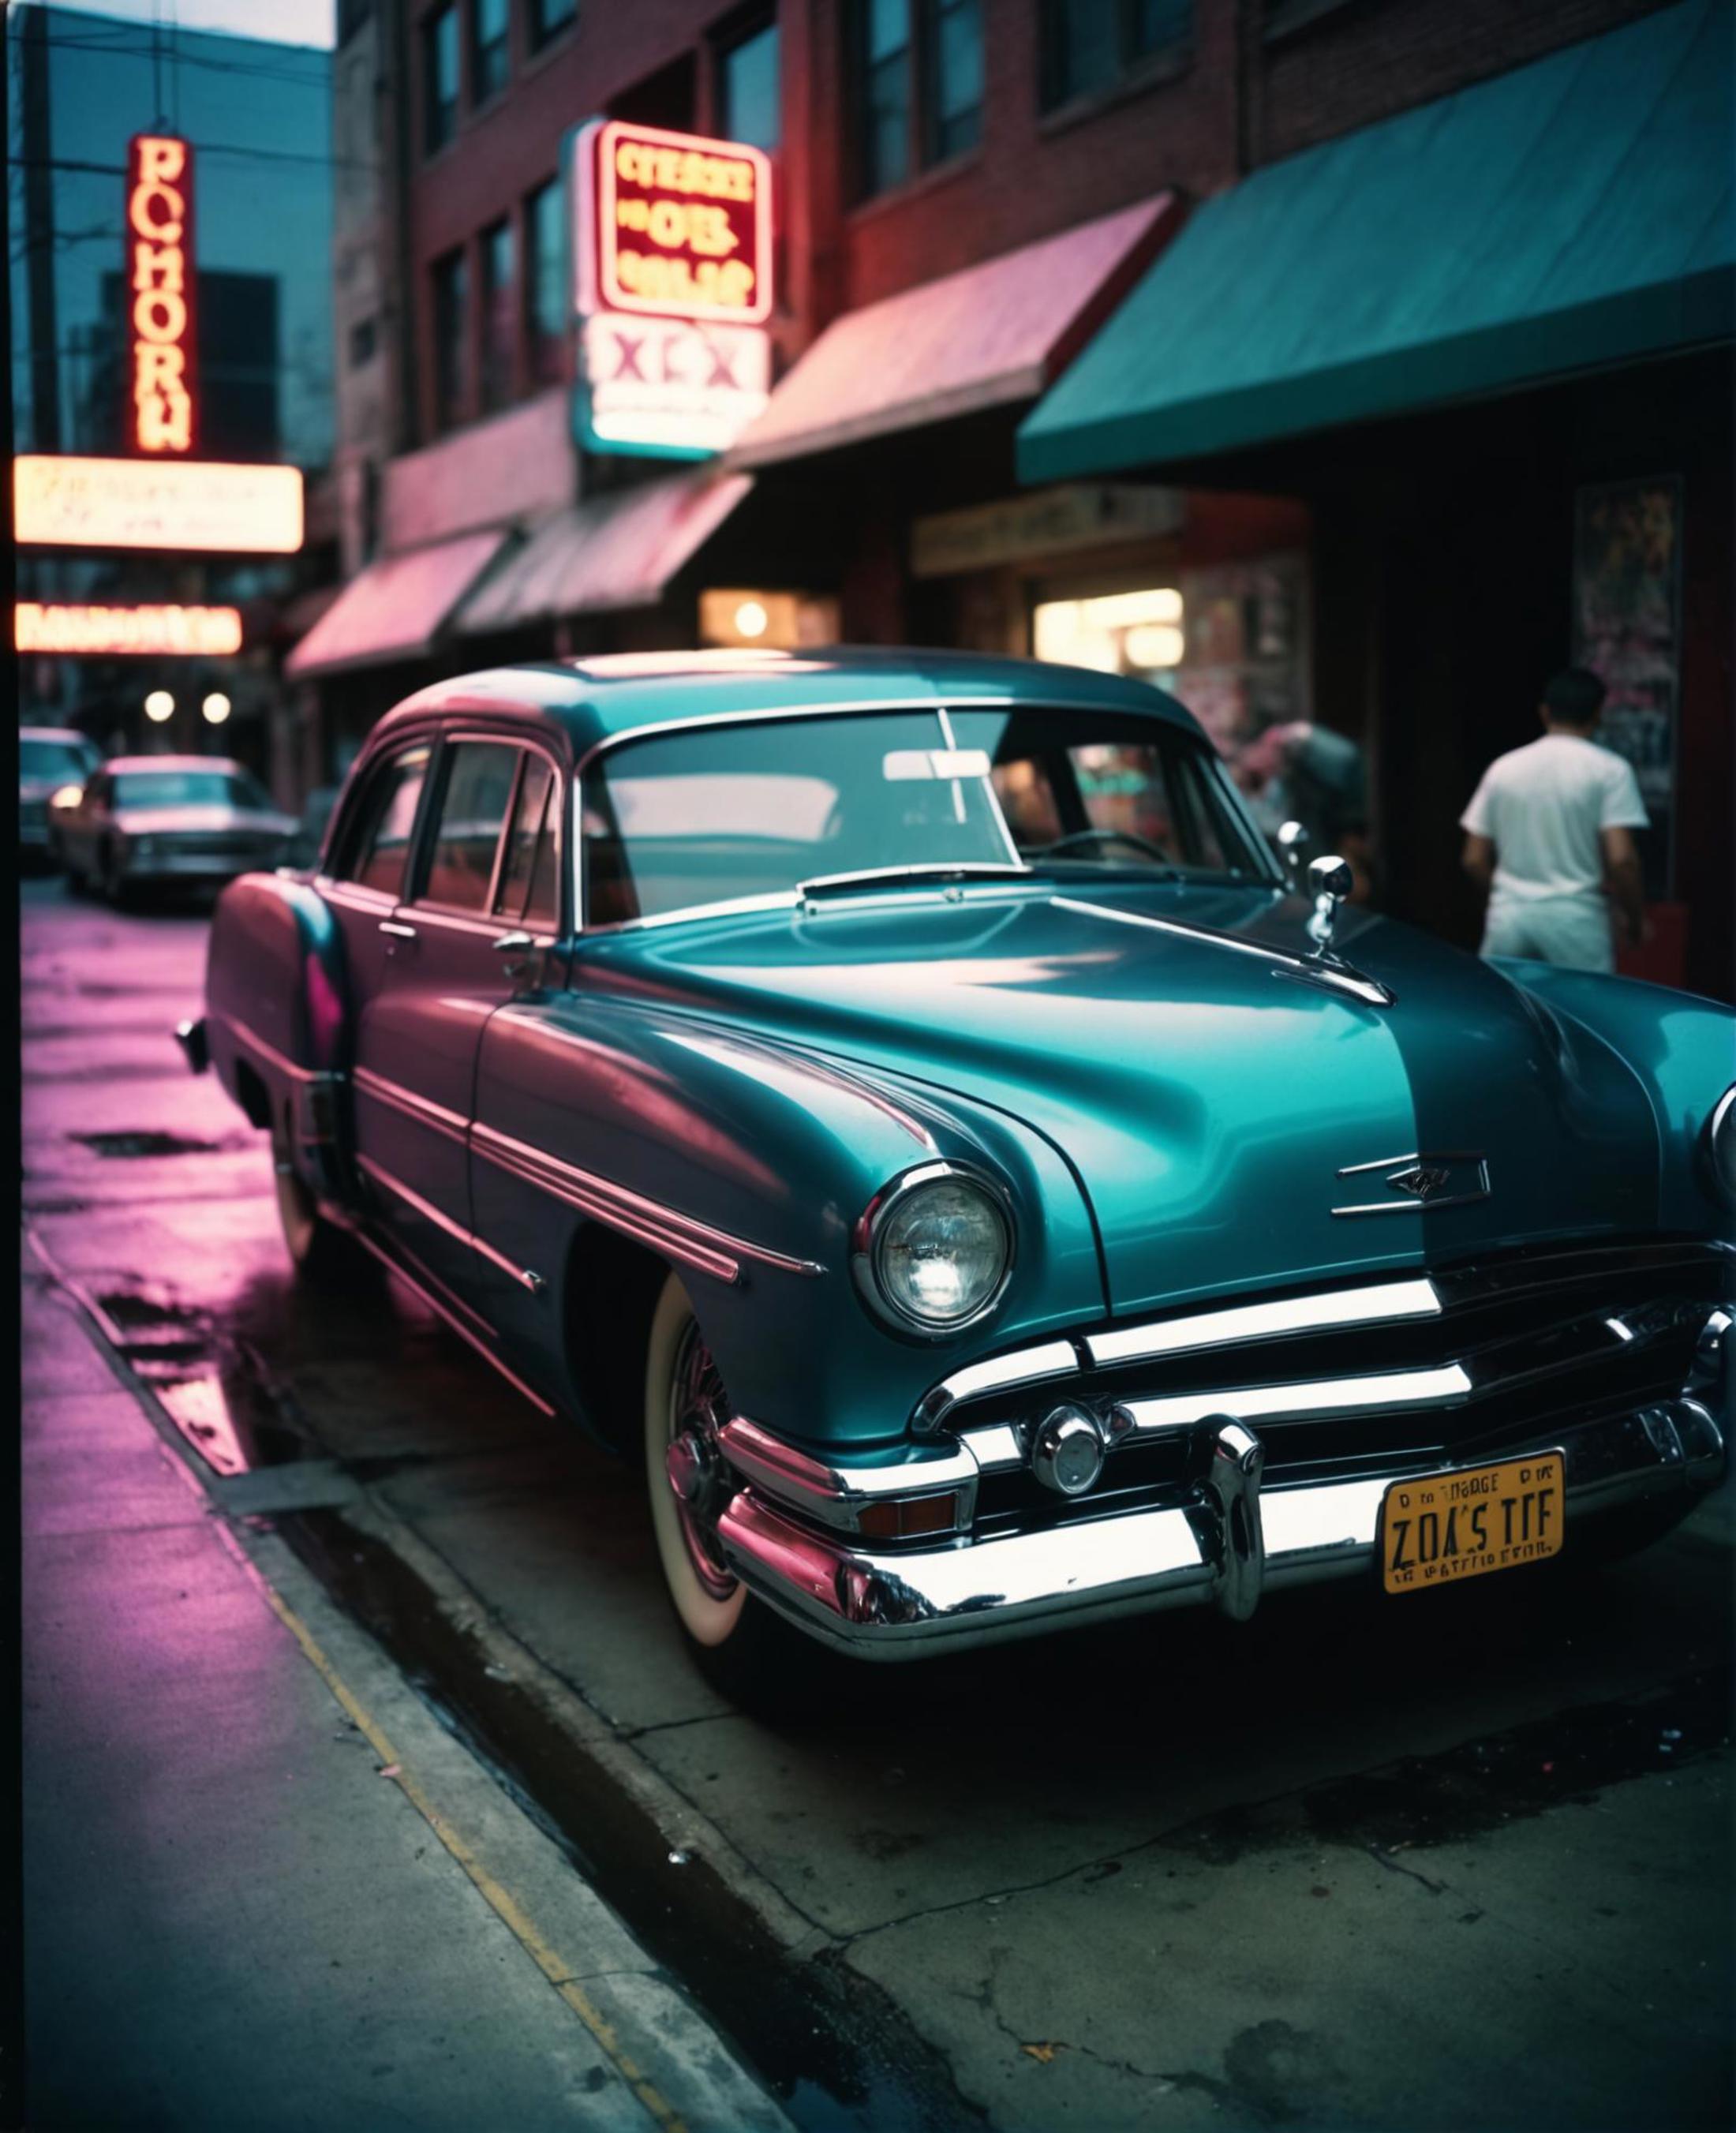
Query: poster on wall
x=1627, y=628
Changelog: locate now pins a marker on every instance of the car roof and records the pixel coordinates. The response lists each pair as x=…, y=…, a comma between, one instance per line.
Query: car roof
x=132, y=764
x=56, y=733
x=596, y=700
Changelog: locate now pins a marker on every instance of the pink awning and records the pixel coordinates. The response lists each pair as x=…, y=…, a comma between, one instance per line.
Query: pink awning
x=397, y=608
x=610, y=552
x=994, y=334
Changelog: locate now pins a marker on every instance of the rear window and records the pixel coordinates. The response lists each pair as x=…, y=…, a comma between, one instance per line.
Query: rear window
x=54, y=758
x=187, y=788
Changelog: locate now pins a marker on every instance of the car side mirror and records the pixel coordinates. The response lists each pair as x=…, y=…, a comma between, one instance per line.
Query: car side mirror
x=1292, y=843
x=521, y=952
x=1330, y=882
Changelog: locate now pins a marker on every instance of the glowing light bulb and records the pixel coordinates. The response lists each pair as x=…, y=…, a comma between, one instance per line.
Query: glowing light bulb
x=159, y=706
x=751, y=619
x=215, y=708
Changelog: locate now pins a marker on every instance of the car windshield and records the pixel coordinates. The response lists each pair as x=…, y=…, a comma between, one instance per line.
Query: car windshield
x=52, y=759
x=709, y=815
x=187, y=788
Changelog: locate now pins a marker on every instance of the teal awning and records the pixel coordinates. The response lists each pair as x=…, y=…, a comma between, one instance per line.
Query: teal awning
x=1573, y=212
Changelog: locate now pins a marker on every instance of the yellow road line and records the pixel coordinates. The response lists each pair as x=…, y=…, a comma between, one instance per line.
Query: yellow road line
x=553, y=1965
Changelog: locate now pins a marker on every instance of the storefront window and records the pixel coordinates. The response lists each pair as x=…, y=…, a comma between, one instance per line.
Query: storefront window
x=498, y=319
x=545, y=281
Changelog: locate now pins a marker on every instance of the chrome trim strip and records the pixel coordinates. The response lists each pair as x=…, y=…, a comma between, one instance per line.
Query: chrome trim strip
x=1023, y=1366
x=682, y=1237
x=444, y=1222
x=997, y=1449
x=776, y=713
x=1283, y=961
x=1260, y=1322
x=894, y=1604
x=1392, y=1388
x=422, y=1108
x=393, y=1265
x=837, y=1494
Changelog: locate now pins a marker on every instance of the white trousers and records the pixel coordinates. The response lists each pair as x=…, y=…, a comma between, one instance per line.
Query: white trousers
x=1574, y=929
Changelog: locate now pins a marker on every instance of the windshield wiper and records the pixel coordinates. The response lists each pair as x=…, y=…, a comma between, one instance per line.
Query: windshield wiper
x=921, y=874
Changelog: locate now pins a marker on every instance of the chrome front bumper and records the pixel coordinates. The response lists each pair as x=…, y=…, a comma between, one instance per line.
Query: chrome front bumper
x=1229, y=1544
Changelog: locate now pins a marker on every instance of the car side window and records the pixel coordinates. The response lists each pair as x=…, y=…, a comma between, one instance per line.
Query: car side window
x=375, y=857
x=473, y=812
x=530, y=886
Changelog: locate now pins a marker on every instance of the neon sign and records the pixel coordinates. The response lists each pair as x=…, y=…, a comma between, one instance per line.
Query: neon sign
x=212, y=632
x=160, y=284
x=65, y=502
x=673, y=253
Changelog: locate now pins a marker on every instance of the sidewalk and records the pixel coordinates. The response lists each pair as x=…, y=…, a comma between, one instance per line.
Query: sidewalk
x=236, y=1913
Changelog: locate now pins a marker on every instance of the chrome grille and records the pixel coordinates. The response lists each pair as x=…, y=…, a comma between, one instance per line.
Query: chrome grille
x=1512, y=1346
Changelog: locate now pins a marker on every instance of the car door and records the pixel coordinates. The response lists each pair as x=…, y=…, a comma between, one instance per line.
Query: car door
x=447, y=972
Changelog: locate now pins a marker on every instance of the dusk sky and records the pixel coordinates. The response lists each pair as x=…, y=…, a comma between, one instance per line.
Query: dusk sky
x=284, y=22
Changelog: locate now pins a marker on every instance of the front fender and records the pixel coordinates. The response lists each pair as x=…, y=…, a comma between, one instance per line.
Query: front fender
x=778, y=1147
x=1680, y=1048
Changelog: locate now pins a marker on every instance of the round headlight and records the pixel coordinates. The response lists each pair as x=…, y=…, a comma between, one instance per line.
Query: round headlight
x=1721, y=1143
x=934, y=1251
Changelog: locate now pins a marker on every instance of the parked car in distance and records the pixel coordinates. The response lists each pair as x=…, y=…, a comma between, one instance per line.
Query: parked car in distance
x=900, y=1099
x=51, y=759
x=162, y=820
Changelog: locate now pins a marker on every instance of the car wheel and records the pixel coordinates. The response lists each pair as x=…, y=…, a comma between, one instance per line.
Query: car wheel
x=320, y=1251
x=742, y=1648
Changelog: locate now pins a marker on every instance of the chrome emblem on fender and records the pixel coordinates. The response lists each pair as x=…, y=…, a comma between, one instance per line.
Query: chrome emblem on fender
x=1420, y=1184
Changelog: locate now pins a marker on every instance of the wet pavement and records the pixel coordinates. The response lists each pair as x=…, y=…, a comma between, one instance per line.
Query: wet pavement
x=1462, y=1859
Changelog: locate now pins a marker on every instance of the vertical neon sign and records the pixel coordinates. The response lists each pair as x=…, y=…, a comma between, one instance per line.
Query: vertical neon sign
x=160, y=292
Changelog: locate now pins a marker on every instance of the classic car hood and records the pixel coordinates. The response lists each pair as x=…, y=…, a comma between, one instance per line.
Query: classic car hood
x=1207, y=1101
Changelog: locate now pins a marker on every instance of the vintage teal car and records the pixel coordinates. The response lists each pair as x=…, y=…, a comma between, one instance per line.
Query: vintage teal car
x=901, y=1098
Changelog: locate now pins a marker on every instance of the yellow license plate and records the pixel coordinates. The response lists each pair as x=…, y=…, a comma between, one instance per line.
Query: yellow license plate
x=1446, y=1526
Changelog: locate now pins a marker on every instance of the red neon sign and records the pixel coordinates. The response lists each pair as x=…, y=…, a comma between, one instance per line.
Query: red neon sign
x=682, y=226
x=79, y=627
x=160, y=288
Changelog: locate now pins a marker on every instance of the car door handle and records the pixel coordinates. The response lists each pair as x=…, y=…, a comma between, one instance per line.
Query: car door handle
x=398, y=930
x=515, y=943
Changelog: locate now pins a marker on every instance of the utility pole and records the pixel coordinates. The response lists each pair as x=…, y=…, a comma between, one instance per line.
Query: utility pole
x=39, y=229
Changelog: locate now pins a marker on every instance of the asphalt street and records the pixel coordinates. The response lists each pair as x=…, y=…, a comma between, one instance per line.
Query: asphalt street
x=1460, y=1859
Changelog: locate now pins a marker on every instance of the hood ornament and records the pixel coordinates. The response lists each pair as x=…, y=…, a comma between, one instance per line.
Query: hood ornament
x=1330, y=882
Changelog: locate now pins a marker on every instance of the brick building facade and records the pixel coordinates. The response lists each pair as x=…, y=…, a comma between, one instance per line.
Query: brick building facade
x=913, y=141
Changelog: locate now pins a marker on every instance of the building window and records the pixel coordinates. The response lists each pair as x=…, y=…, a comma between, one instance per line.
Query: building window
x=499, y=315
x=489, y=56
x=363, y=339
x=439, y=79
x=547, y=17
x=882, y=74
x=1089, y=45
x=546, y=290
x=918, y=67
x=747, y=82
x=953, y=79
x=451, y=340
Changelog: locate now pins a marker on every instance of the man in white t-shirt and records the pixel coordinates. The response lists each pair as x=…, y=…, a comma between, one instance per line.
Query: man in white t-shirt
x=1548, y=829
